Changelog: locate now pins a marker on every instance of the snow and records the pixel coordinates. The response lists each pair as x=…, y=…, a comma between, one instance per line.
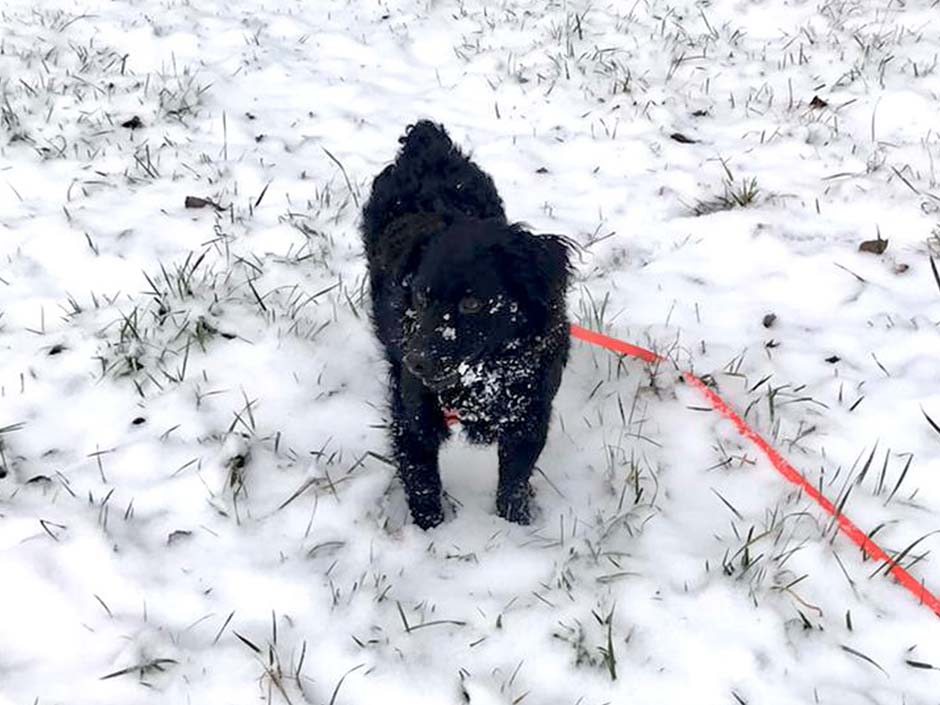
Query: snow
x=196, y=501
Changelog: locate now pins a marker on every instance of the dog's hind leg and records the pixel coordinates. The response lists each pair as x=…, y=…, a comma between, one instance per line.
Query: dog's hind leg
x=418, y=429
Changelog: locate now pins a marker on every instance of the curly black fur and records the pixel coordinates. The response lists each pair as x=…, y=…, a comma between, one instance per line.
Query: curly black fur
x=471, y=312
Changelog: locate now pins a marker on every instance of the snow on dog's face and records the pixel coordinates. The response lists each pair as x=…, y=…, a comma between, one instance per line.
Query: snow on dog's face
x=481, y=287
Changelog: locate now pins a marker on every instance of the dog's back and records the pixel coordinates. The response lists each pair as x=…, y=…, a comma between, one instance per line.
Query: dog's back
x=432, y=177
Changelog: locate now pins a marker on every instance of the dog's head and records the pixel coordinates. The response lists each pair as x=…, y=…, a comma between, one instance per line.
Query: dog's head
x=481, y=288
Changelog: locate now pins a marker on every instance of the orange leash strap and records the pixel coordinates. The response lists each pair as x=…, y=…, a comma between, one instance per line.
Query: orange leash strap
x=780, y=464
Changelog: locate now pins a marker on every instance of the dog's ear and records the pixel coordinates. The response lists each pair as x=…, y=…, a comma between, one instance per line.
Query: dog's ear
x=538, y=268
x=404, y=240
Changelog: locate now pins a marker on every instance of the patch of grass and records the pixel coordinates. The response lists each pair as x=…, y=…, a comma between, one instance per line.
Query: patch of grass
x=736, y=193
x=599, y=630
x=187, y=308
x=73, y=98
x=593, y=313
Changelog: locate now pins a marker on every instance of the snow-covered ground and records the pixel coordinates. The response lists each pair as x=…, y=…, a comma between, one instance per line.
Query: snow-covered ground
x=195, y=504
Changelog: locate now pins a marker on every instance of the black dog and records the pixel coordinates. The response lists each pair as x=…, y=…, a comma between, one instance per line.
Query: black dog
x=471, y=312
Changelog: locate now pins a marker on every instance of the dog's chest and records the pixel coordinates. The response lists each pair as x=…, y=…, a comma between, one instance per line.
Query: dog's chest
x=488, y=402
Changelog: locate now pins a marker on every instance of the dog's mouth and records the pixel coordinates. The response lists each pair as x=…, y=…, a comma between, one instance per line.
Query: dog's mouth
x=441, y=382
x=448, y=375
x=437, y=380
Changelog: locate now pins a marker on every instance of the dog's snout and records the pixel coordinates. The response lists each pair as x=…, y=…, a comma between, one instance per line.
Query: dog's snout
x=417, y=364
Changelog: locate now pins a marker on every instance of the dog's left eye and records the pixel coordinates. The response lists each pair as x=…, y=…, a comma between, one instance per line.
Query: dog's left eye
x=469, y=304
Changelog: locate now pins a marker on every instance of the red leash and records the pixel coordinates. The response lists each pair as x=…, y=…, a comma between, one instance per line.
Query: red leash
x=846, y=525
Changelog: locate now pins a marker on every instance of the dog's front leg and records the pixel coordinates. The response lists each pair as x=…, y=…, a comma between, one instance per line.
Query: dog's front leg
x=418, y=429
x=519, y=447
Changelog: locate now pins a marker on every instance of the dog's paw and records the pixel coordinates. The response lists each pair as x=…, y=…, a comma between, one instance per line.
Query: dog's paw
x=427, y=520
x=515, y=508
x=427, y=515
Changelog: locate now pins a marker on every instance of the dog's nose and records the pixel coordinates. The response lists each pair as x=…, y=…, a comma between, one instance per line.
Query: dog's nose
x=416, y=364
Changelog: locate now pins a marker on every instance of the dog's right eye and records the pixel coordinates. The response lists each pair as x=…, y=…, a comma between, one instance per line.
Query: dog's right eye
x=469, y=304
